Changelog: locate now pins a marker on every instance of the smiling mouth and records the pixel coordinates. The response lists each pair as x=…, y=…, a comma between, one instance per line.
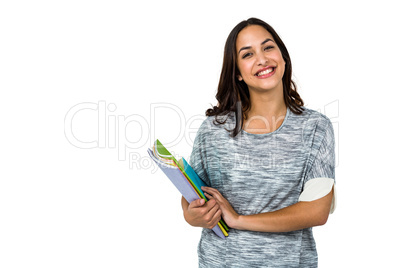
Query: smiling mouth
x=265, y=72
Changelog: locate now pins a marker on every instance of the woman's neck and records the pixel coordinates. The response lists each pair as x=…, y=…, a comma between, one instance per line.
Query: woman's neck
x=267, y=104
x=266, y=113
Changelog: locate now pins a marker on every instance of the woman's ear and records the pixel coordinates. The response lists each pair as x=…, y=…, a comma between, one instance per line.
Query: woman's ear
x=239, y=77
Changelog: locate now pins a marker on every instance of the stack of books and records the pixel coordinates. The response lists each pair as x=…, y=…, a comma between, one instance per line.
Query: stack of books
x=184, y=178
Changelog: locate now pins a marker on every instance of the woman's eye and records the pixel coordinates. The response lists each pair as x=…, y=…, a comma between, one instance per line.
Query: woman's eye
x=246, y=55
x=268, y=47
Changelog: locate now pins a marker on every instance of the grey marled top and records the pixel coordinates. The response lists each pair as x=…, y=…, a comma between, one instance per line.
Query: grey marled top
x=259, y=173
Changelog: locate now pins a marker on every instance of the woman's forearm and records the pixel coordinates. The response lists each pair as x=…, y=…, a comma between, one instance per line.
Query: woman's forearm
x=295, y=217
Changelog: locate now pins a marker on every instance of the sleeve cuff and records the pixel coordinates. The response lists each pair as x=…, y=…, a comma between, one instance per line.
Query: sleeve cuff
x=319, y=187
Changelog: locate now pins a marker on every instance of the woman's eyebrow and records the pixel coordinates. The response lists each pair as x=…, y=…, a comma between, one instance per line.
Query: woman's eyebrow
x=265, y=41
x=244, y=48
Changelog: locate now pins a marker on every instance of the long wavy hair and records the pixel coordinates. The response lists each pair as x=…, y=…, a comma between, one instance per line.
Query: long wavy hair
x=233, y=95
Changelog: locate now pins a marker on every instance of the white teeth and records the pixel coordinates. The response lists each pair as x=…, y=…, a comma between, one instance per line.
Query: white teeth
x=267, y=71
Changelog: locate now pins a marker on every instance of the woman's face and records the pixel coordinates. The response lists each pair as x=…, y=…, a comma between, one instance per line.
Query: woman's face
x=259, y=59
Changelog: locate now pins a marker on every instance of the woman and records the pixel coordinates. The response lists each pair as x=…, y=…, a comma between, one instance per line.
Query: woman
x=268, y=160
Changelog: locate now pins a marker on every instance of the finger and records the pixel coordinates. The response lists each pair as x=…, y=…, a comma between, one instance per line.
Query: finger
x=215, y=202
x=211, y=216
x=216, y=218
x=215, y=195
x=211, y=204
x=213, y=209
x=208, y=189
x=211, y=191
x=197, y=203
x=208, y=195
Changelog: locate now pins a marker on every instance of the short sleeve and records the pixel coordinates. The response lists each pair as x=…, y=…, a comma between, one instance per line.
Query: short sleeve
x=320, y=175
x=322, y=157
x=198, y=158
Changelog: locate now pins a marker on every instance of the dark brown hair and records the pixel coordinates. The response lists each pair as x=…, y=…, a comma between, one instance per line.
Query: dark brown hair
x=233, y=95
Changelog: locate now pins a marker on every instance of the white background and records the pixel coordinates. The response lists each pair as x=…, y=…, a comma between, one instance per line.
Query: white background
x=65, y=206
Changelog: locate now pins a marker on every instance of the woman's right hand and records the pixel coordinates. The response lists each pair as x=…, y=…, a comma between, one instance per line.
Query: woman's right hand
x=200, y=213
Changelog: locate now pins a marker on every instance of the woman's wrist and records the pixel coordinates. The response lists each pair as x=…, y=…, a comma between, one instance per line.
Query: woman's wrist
x=238, y=223
x=249, y=222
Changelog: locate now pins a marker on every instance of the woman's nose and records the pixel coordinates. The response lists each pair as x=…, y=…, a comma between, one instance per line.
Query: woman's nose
x=261, y=59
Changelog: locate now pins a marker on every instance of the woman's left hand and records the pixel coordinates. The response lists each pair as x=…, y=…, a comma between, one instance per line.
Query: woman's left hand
x=228, y=214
